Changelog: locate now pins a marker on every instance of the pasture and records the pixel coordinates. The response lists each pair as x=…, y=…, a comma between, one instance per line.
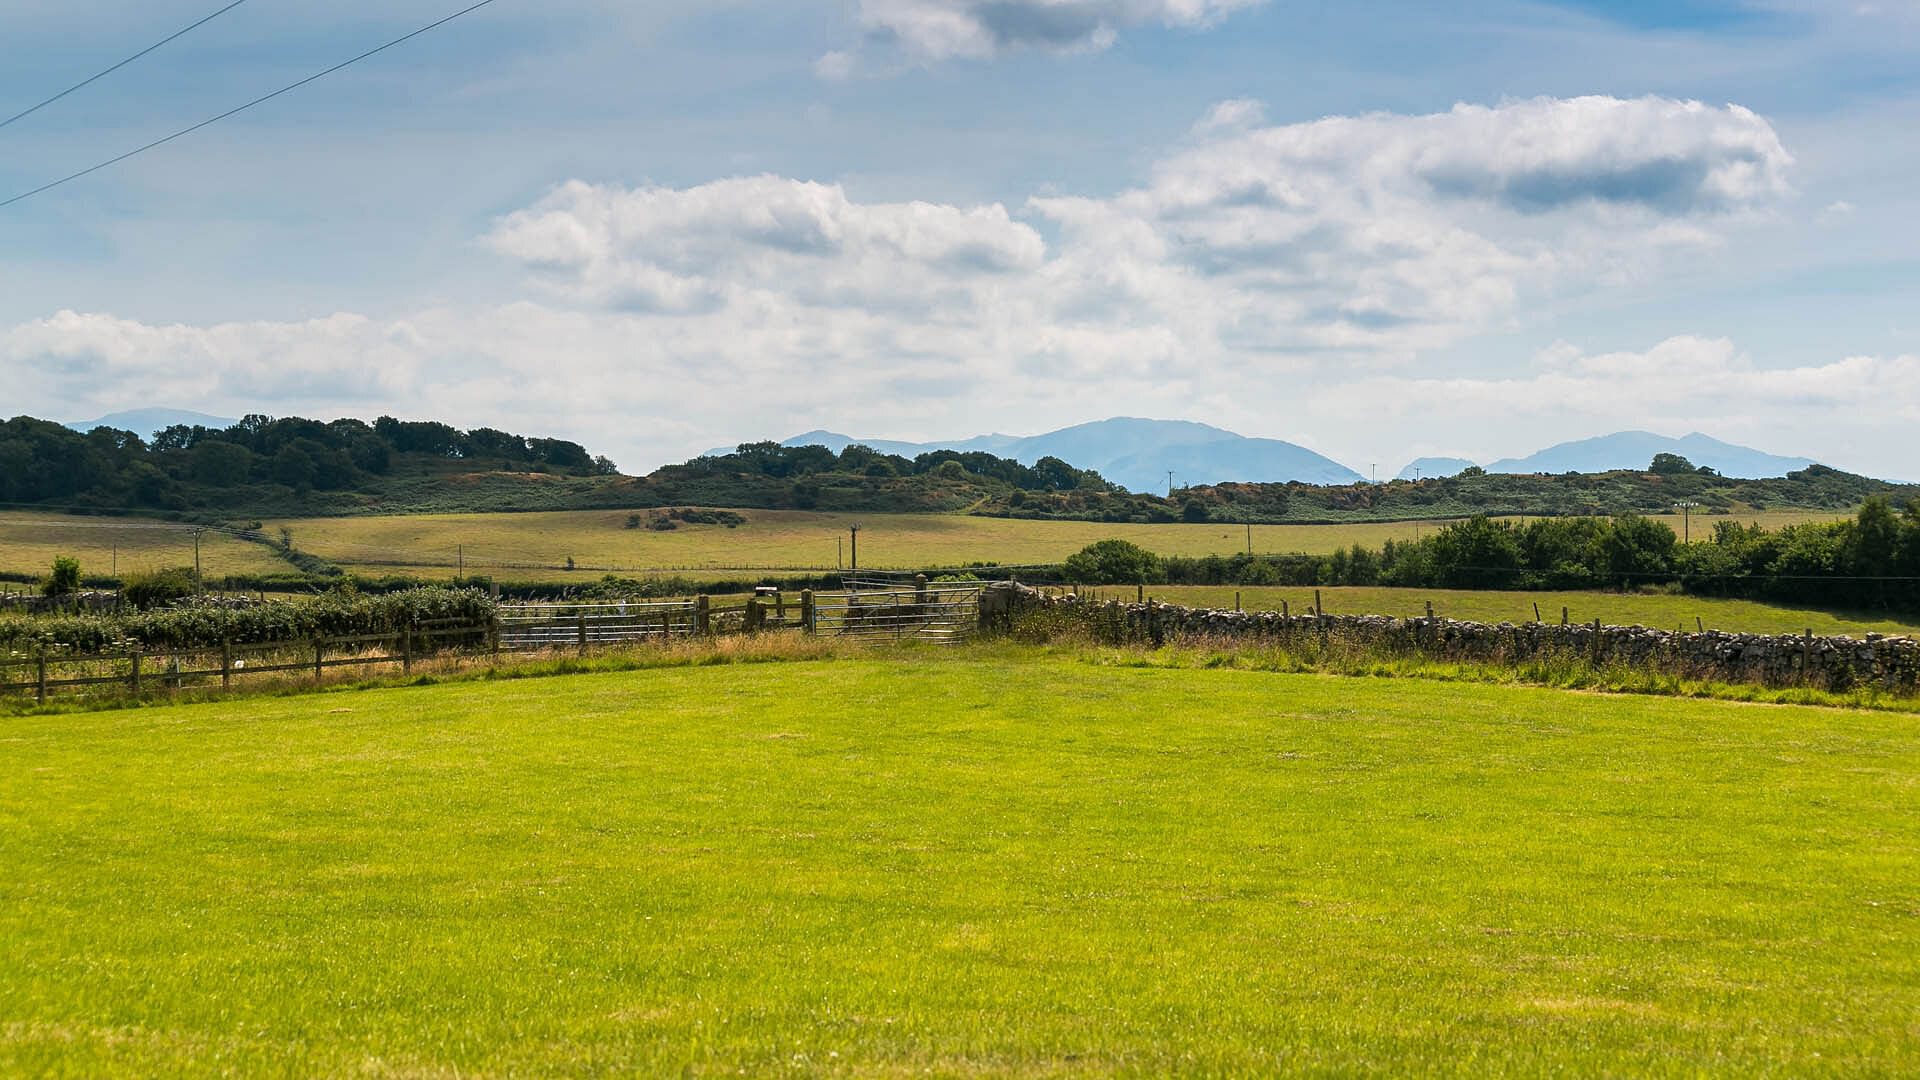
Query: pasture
x=536, y=546
x=124, y=546
x=1659, y=610
x=980, y=862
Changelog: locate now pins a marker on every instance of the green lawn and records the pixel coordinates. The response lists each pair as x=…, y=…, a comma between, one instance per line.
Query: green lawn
x=984, y=862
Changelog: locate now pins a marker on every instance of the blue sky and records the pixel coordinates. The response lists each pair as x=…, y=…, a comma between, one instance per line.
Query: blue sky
x=1381, y=230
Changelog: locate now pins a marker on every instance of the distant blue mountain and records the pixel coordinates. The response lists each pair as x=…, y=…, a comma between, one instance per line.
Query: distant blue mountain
x=1135, y=453
x=1635, y=450
x=1421, y=468
x=144, y=422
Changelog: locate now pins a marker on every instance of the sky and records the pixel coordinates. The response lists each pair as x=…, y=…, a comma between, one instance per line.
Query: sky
x=1379, y=230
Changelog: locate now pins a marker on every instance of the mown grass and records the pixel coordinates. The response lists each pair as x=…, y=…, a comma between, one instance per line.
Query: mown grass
x=536, y=546
x=1665, y=611
x=993, y=861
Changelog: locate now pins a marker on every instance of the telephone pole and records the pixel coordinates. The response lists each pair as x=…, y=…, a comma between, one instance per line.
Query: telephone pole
x=1686, y=520
x=1169, y=483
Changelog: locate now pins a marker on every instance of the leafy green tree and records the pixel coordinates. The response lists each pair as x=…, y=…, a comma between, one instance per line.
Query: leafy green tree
x=65, y=579
x=1670, y=465
x=1477, y=554
x=1113, y=562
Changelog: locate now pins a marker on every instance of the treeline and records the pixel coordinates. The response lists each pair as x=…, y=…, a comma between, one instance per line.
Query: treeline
x=1870, y=561
x=793, y=462
x=185, y=467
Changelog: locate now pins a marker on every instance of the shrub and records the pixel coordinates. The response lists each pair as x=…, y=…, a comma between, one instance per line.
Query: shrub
x=1113, y=562
x=161, y=587
x=65, y=578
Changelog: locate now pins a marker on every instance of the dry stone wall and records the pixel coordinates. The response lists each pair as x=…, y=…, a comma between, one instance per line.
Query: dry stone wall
x=1890, y=663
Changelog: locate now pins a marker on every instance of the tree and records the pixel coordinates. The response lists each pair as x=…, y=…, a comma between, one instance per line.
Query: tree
x=65, y=579
x=1670, y=465
x=1193, y=511
x=1113, y=562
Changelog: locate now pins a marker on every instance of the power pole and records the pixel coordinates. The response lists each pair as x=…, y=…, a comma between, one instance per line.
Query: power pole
x=196, y=557
x=1686, y=520
x=1249, y=538
x=1169, y=483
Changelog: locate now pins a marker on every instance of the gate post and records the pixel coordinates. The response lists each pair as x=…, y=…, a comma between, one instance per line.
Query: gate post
x=702, y=615
x=581, y=630
x=809, y=618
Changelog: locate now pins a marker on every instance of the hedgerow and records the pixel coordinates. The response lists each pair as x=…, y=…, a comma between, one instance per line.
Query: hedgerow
x=202, y=623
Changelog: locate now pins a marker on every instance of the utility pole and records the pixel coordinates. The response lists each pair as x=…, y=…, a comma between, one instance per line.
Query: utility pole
x=196, y=557
x=1686, y=520
x=1375, y=468
x=1169, y=483
x=1249, y=538
x=460, y=558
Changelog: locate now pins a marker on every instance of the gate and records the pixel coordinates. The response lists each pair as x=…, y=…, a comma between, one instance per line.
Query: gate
x=880, y=607
x=558, y=626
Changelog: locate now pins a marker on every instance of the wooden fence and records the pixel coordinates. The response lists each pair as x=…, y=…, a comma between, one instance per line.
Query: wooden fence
x=141, y=670
x=879, y=610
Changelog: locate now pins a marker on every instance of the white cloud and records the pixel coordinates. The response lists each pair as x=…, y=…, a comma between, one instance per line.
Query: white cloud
x=1858, y=412
x=1251, y=261
x=934, y=30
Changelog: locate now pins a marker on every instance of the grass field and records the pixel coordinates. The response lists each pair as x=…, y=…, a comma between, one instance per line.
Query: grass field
x=982, y=863
x=535, y=546
x=1659, y=610
x=123, y=546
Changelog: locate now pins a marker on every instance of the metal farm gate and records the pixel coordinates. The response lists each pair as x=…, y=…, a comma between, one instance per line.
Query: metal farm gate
x=530, y=627
x=880, y=607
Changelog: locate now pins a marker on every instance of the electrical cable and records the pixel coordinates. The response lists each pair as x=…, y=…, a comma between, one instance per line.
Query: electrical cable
x=24, y=113
x=262, y=99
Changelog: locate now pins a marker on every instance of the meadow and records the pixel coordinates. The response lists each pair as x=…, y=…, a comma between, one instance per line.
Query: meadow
x=985, y=861
x=120, y=547
x=537, y=545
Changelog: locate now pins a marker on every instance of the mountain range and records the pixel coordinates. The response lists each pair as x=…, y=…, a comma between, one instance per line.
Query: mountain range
x=1139, y=453
x=1635, y=450
x=144, y=422
x=1135, y=453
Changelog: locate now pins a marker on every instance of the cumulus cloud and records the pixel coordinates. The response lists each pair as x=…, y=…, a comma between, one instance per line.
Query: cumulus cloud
x=934, y=30
x=1251, y=260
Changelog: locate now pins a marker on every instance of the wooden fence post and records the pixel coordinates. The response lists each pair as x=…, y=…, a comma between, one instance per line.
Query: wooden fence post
x=406, y=650
x=922, y=597
x=1565, y=615
x=756, y=617
x=493, y=639
x=319, y=658
x=1236, y=599
x=1429, y=609
x=808, y=620
x=135, y=677
x=581, y=631
x=1536, y=611
x=226, y=663
x=40, y=666
x=1318, y=607
x=702, y=615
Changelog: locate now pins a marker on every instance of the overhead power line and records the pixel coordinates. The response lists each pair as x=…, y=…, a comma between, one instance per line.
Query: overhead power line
x=24, y=113
x=261, y=100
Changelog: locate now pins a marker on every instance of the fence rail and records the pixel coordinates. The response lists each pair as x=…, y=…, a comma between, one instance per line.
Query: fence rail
x=875, y=610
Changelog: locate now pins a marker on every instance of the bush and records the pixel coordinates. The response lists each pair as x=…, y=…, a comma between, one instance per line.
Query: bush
x=1113, y=562
x=65, y=578
x=160, y=588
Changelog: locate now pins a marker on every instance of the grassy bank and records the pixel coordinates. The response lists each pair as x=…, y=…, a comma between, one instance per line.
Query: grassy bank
x=966, y=864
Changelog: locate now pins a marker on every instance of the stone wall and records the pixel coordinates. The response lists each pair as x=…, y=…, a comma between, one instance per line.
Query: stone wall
x=1891, y=663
